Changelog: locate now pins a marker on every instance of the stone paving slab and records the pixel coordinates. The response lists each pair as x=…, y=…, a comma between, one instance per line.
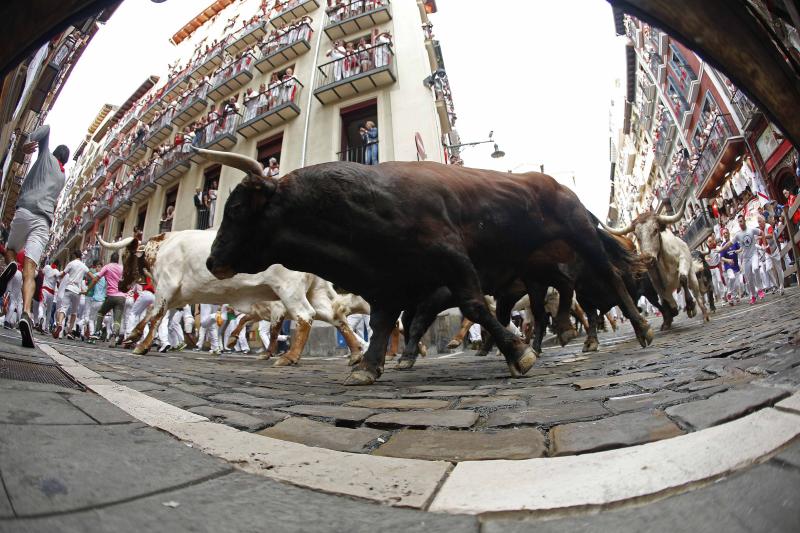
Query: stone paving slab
x=790, y=455
x=523, y=443
x=378, y=403
x=347, y=414
x=593, y=383
x=792, y=403
x=725, y=406
x=613, y=432
x=99, y=409
x=321, y=435
x=635, y=402
x=176, y=397
x=40, y=408
x=761, y=499
x=546, y=414
x=5, y=504
x=236, y=419
x=440, y=418
x=244, y=502
x=47, y=470
x=247, y=400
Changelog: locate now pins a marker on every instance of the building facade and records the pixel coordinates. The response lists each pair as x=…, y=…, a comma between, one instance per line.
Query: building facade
x=291, y=84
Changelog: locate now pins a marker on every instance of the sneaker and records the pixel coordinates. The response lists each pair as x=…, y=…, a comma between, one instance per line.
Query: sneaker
x=752, y=300
x=57, y=332
x=761, y=295
x=26, y=329
x=780, y=291
x=180, y=347
x=6, y=276
x=165, y=348
x=70, y=336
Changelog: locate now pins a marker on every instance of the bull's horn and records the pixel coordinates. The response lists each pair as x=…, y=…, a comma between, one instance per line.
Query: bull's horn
x=663, y=219
x=248, y=165
x=119, y=245
x=614, y=231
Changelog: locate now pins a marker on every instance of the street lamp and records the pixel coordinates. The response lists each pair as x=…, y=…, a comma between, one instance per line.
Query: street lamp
x=497, y=154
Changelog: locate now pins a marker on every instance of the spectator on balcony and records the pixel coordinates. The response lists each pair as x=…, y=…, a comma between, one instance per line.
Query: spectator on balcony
x=364, y=59
x=272, y=170
x=262, y=102
x=202, y=209
x=166, y=220
x=351, y=64
x=249, y=95
x=337, y=53
x=288, y=86
x=336, y=12
x=212, y=120
x=30, y=227
x=273, y=92
x=211, y=201
x=381, y=43
x=188, y=139
x=199, y=131
x=369, y=136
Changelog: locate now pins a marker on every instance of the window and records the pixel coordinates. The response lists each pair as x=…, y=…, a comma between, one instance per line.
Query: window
x=271, y=149
x=683, y=71
x=676, y=98
x=211, y=178
x=170, y=198
x=708, y=112
x=360, y=133
x=767, y=143
x=141, y=216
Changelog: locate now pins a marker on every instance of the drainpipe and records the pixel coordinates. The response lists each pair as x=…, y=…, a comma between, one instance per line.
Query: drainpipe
x=310, y=97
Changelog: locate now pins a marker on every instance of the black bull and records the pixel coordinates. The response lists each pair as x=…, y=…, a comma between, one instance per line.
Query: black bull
x=396, y=232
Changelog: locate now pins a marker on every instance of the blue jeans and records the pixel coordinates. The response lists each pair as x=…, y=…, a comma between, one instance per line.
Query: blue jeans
x=371, y=154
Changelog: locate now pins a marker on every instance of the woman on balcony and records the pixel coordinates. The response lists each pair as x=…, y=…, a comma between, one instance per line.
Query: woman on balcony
x=351, y=65
x=262, y=104
x=382, y=42
x=370, y=139
x=166, y=220
x=288, y=87
x=274, y=91
x=211, y=198
x=199, y=131
x=364, y=60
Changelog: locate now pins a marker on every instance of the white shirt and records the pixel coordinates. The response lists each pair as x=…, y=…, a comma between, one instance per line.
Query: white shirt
x=73, y=275
x=50, y=277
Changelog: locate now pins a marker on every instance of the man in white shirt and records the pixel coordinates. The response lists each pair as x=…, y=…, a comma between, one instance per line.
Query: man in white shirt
x=772, y=255
x=49, y=285
x=70, y=293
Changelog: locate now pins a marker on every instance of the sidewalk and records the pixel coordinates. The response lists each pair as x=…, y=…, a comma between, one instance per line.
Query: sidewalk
x=71, y=461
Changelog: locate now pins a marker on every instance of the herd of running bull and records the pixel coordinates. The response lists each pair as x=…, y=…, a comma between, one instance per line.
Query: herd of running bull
x=412, y=239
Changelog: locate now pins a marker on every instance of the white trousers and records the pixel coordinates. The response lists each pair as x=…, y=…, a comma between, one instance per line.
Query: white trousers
x=208, y=326
x=46, y=306
x=136, y=312
x=241, y=341
x=359, y=323
x=775, y=269
x=14, y=291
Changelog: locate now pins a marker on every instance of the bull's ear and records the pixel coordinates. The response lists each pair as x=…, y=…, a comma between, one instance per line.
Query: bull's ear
x=260, y=184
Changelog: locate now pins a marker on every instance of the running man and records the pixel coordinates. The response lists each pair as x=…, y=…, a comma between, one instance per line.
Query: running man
x=30, y=227
x=115, y=300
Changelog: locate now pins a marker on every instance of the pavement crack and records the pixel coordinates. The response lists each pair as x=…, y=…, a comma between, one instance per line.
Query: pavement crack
x=8, y=495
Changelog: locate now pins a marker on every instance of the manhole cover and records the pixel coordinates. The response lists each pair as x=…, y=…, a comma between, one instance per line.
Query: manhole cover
x=16, y=370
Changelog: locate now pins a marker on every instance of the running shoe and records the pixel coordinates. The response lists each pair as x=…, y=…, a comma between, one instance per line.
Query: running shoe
x=752, y=300
x=26, y=329
x=761, y=295
x=165, y=348
x=180, y=347
x=6, y=276
x=70, y=336
x=57, y=332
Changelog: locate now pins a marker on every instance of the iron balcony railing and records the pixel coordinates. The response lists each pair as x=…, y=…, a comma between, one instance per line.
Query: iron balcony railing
x=162, y=121
x=172, y=158
x=203, y=215
x=165, y=226
x=121, y=196
x=202, y=58
x=711, y=149
x=355, y=8
x=287, y=91
x=214, y=131
x=245, y=63
x=365, y=154
x=364, y=61
x=699, y=228
x=144, y=177
x=199, y=92
x=284, y=39
x=744, y=107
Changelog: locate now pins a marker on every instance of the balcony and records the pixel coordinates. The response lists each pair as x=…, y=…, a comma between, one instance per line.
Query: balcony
x=149, y=111
x=356, y=16
x=207, y=63
x=191, y=105
x=87, y=221
x=745, y=109
x=173, y=165
x=232, y=78
x=143, y=184
x=98, y=177
x=697, y=231
x=219, y=135
x=291, y=10
x=366, y=155
x=245, y=38
x=104, y=206
x=282, y=49
x=115, y=161
x=164, y=226
x=174, y=86
x=717, y=156
x=48, y=75
x=120, y=202
x=336, y=81
x=276, y=106
x=160, y=129
x=134, y=151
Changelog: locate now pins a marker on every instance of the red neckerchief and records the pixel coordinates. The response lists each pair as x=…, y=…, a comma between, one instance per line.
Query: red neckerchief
x=60, y=166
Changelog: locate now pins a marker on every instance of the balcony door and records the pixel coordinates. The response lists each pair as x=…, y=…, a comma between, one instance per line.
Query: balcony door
x=354, y=118
x=271, y=148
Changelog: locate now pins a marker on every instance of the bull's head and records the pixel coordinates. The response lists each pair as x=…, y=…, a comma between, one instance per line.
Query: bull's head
x=648, y=227
x=132, y=260
x=238, y=246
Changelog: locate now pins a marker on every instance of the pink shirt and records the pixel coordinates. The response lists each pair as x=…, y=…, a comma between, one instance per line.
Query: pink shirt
x=113, y=273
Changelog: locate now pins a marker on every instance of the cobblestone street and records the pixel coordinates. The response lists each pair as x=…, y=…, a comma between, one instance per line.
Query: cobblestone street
x=459, y=407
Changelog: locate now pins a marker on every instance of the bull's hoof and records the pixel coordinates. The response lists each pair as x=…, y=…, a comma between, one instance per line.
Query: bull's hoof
x=355, y=358
x=405, y=363
x=284, y=361
x=264, y=356
x=521, y=366
x=590, y=345
x=141, y=350
x=706, y=318
x=567, y=335
x=481, y=353
x=646, y=336
x=360, y=376
x=423, y=350
x=453, y=344
x=390, y=356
